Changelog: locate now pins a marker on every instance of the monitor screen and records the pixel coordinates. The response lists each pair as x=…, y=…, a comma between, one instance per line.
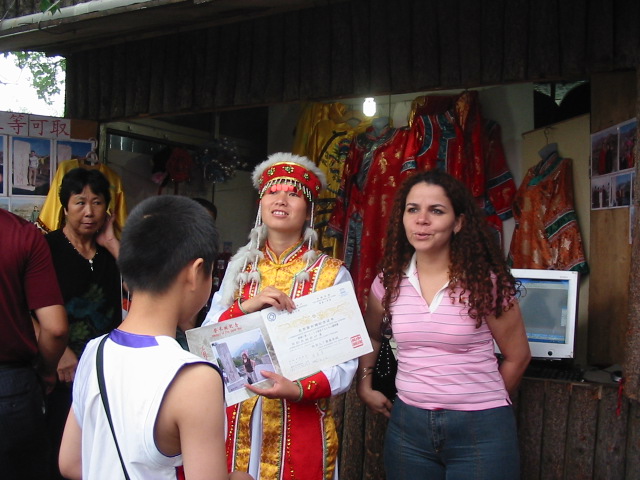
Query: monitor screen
x=548, y=301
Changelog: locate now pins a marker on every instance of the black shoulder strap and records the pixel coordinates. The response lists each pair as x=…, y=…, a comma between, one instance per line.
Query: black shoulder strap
x=105, y=400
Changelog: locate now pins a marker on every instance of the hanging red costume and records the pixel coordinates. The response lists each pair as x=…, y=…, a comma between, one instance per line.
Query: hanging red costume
x=371, y=175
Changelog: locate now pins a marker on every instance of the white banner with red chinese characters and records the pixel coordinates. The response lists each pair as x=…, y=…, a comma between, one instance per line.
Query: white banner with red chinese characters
x=37, y=126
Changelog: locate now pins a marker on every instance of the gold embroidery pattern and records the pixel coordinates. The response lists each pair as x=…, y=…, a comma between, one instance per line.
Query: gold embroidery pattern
x=330, y=438
x=277, y=414
x=243, y=434
x=273, y=418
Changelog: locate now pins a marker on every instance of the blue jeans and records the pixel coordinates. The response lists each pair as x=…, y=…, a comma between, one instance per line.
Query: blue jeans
x=23, y=438
x=451, y=445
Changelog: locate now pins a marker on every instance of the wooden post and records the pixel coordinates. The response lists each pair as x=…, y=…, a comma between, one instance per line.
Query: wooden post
x=632, y=351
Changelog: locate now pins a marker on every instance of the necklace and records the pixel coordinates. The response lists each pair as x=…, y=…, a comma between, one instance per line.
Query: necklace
x=90, y=260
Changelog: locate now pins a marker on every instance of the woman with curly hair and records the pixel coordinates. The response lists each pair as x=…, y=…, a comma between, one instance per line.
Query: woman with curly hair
x=447, y=288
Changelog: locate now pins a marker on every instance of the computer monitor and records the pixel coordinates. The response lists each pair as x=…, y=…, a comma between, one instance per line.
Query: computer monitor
x=549, y=305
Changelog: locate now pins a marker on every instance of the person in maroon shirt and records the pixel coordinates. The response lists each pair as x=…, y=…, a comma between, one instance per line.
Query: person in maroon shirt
x=28, y=285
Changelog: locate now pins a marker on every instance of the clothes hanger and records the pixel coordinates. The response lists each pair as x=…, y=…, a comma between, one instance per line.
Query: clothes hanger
x=91, y=159
x=353, y=116
x=549, y=148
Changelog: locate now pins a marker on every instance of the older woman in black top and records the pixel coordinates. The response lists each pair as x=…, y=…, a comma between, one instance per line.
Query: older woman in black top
x=84, y=254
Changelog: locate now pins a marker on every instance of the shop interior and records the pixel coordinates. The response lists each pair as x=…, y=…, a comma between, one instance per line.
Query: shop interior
x=134, y=149
x=222, y=147
x=585, y=429
x=531, y=116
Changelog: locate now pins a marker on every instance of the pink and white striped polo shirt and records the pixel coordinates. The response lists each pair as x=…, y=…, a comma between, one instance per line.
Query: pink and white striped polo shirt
x=444, y=361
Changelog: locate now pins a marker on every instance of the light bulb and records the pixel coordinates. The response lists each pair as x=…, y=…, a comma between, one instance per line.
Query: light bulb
x=369, y=107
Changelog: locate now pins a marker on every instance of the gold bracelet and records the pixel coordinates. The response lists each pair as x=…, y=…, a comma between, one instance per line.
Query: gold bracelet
x=297, y=382
x=240, y=300
x=367, y=370
x=364, y=376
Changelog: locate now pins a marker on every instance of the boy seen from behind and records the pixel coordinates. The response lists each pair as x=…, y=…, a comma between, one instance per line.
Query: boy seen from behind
x=166, y=404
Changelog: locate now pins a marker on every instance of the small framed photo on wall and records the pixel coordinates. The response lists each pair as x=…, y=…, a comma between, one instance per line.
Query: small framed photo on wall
x=604, y=152
x=27, y=207
x=627, y=143
x=600, y=192
x=82, y=150
x=622, y=185
x=30, y=166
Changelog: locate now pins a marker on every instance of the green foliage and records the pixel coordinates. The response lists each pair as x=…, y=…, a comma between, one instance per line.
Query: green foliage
x=47, y=73
x=48, y=6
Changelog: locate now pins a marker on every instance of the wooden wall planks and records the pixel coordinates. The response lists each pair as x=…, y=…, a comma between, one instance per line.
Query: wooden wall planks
x=356, y=48
x=566, y=431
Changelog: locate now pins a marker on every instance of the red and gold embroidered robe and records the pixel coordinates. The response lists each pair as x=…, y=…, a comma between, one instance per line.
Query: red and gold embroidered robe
x=299, y=439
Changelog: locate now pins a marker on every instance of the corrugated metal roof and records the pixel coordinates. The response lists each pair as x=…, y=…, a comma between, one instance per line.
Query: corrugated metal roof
x=98, y=23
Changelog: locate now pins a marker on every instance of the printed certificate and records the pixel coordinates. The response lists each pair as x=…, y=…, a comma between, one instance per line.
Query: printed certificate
x=325, y=329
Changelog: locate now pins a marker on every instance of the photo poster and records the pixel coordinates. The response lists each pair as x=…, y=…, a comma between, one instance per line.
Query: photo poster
x=225, y=343
x=325, y=329
x=82, y=150
x=3, y=170
x=27, y=207
x=627, y=143
x=600, y=192
x=621, y=188
x=31, y=165
x=612, y=166
x=604, y=152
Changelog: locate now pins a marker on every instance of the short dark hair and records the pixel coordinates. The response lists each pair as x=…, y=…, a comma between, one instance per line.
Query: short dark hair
x=75, y=180
x=162, y=235
x=208, y=205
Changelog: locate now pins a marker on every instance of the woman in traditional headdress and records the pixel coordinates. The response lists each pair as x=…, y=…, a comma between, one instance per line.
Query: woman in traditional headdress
x=287, y=431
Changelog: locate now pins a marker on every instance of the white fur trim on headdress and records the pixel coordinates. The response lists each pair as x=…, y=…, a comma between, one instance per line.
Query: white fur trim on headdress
x=251, y=253
x=287, y=157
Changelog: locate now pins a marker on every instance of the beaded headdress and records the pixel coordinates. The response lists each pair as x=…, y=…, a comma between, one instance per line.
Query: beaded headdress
x=279, y=171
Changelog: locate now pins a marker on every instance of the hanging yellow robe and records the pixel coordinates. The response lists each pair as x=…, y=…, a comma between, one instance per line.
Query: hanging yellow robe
x=52, y=213
x=328, y=148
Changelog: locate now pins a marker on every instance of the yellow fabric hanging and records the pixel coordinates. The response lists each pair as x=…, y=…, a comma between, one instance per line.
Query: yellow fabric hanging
x=312, y=113
x=52, y=213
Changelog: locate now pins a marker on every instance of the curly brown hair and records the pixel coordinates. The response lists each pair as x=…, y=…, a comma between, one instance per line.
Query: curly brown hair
x=475, y=253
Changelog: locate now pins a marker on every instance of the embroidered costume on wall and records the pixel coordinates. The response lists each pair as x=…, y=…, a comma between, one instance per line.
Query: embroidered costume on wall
x=458, y=140
x=547, y=234
x=434, y=139
x=501, y=188
x=446, y=132
x=467, y=162
x=328, y=147
x=373, y=171
x=312, y=113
